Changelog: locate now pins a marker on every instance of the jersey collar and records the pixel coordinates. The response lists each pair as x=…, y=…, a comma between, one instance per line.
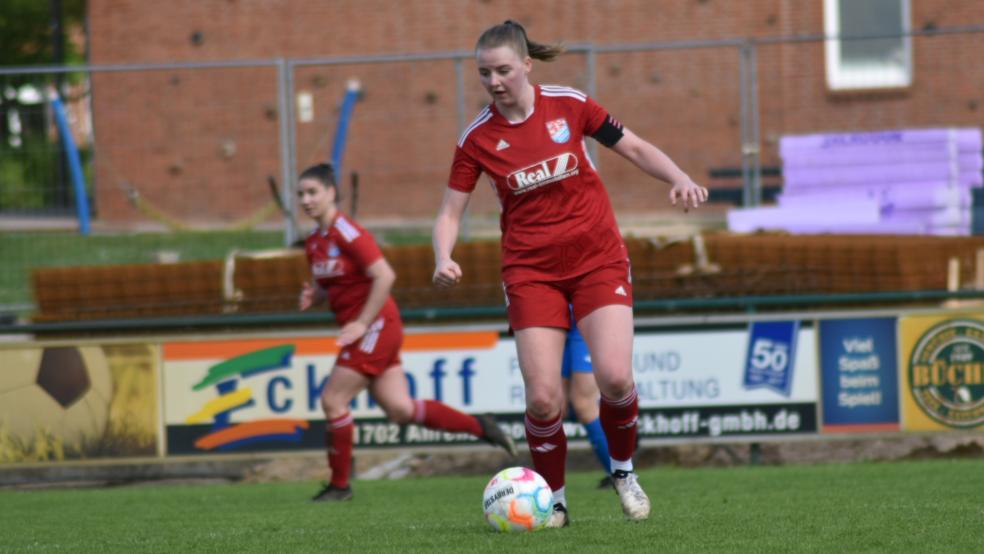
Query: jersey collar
x=323, y=231
x=536, y=103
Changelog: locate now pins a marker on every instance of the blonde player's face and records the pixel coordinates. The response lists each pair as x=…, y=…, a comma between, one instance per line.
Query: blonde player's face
x=503, y=73
x=314, y=197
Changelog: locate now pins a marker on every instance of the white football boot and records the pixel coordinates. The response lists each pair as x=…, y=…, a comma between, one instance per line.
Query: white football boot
x=635, y=503
x=559, y=517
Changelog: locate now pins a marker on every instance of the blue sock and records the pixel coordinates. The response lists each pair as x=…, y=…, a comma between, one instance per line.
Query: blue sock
x=596, y=436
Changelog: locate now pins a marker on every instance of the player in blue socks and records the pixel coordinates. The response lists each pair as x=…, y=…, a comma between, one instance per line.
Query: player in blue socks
x=583, y=395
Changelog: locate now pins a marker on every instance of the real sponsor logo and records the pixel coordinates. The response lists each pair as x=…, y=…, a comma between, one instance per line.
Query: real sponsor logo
x=946, y=373
x=323, y=269
x=543, y=173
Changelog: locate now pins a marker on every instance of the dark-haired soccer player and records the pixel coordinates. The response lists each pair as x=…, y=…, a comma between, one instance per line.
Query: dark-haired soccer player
x=351, y=273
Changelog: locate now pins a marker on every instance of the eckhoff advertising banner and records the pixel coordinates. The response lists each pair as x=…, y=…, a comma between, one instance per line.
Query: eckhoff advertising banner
x=723, y=383
x=238, y=395
x=859, y=375
x=264, y=394
x=942, y=360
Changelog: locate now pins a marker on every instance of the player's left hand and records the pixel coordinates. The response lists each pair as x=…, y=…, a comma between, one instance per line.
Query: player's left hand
x=692, y=194
x=351, y=332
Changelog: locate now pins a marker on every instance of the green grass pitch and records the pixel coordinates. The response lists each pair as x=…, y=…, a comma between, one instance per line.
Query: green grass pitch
x=918, y=506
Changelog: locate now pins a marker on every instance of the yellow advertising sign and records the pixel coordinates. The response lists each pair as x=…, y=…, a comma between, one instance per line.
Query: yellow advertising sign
x=942, y=365
x=67, y=401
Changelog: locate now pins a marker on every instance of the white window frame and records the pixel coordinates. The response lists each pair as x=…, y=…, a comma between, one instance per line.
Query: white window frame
x=844, y=77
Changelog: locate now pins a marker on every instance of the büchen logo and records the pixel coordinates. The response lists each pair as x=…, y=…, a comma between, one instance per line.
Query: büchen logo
x=559, y=132
x=946, y=373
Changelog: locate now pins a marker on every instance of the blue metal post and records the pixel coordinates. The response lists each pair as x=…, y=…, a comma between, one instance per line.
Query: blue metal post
x=341, y=131
x=74, y=164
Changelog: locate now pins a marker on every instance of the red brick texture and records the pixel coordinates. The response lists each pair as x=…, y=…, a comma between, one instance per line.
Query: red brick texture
x=198, y=144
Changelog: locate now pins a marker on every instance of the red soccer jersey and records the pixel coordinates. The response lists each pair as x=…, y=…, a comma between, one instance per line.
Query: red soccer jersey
x=557, y=221
x=338, y=258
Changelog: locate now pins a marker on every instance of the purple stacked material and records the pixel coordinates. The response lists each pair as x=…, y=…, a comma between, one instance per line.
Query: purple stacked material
x=917, y=180
x=860, y=212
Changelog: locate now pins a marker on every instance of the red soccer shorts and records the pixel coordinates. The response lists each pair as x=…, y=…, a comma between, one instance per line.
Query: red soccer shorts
x=377, y=350
x=545, y=303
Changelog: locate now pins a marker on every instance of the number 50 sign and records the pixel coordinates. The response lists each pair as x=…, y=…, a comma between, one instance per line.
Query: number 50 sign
x=771, y=351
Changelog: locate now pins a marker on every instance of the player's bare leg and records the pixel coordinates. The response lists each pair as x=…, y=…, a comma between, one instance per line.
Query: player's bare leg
x=608, y=332
x=392, y=392
x=540, y=350
x=339, y=391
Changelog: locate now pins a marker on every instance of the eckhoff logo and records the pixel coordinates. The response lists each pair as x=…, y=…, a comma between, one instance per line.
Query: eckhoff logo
x=226, y=376
x=543, y=173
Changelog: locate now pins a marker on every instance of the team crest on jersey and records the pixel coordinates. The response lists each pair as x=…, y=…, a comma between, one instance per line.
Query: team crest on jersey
x=332, y=250
x=559, y=131
x=543, y=173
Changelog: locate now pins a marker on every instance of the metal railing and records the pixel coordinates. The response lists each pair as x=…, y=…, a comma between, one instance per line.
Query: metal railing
x=670, y=309
x=174, y=171
x=746, y=52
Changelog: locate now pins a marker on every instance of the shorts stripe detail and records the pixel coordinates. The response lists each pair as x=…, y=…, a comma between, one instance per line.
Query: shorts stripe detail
x=368, y=343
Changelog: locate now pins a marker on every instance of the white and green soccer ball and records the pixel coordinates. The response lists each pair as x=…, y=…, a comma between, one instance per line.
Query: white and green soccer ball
x=517, y=499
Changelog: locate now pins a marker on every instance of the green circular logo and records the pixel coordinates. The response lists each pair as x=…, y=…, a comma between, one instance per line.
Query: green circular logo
x=946, y=373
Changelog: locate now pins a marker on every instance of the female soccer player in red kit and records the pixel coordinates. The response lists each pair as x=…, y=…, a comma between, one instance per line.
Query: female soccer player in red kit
x=351, y=274
x=560, y=246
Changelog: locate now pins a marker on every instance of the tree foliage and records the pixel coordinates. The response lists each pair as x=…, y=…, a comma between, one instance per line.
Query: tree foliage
x=29, y=152
x=26, y=31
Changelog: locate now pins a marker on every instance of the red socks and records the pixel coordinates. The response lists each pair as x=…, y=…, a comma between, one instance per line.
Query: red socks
x=338, y=441
x=618, y=419
x=438, y=415
x=430, y=413
x=548, y=446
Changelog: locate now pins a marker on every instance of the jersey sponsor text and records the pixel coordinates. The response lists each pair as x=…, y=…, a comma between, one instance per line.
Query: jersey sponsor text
x=543, y=173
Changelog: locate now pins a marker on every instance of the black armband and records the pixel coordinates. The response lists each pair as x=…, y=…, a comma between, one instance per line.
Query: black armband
x=609, y=133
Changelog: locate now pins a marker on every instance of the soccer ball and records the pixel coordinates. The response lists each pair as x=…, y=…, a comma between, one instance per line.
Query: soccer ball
x=62, y=392
x=517, y=499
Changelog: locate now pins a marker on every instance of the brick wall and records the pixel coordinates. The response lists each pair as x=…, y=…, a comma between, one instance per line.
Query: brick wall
x=198, y=144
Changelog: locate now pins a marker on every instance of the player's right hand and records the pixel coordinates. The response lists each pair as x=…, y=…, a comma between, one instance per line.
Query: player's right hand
x=307, y=297
x=447, y=274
